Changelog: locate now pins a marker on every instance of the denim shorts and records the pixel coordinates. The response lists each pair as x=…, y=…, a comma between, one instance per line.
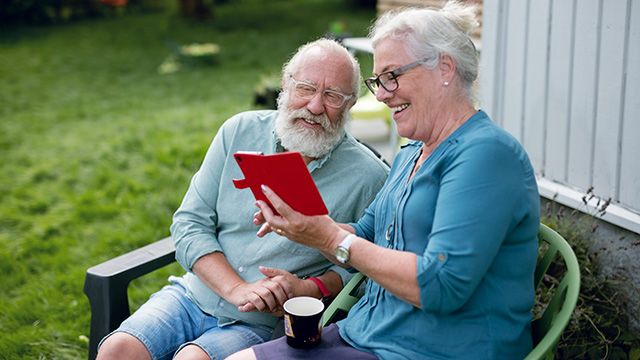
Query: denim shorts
x=169, y=321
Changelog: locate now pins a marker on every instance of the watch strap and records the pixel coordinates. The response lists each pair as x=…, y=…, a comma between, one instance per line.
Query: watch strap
x=347, y=241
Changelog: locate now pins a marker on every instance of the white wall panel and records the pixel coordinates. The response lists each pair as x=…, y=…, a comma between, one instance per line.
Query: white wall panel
x=630, y=155
x=535, y=84
x=559, y=89
x=610, y=86
x=583, y=96
x=490, y=69
x=516, y=36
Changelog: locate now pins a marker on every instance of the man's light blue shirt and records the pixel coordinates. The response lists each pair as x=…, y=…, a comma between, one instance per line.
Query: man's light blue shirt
x=215, y=216
x=471, y=214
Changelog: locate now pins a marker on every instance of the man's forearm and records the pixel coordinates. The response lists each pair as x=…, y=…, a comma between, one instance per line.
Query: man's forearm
x=215, y=271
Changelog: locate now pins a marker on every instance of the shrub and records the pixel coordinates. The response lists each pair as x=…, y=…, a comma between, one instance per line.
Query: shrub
x=598, y=329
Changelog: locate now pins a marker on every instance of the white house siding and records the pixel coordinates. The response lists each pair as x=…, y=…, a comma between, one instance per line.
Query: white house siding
x=563, y=76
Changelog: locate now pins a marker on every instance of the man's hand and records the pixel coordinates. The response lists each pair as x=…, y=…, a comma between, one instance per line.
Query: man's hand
x=268, y=295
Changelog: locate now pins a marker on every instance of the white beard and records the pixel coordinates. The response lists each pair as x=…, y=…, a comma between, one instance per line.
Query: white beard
x=311, y=142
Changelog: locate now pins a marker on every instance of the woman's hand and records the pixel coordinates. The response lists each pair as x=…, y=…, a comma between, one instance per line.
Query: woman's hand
x=394, y=270
x=258, y=220
x=319, y=232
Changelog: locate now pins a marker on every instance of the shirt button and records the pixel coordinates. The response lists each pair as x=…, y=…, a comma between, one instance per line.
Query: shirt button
x=221, y=304
x=240, y=269
x=441, y=257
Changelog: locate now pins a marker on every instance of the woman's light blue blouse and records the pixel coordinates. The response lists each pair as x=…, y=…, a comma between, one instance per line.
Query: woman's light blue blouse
x=471, y=214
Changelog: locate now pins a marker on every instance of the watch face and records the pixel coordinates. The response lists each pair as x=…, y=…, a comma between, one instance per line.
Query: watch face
x=342, y=254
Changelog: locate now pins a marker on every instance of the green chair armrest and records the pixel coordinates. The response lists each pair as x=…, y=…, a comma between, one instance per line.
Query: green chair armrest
x=340, y=306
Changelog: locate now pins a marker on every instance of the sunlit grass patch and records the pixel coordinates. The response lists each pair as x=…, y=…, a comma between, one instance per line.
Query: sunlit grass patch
x=98, y=149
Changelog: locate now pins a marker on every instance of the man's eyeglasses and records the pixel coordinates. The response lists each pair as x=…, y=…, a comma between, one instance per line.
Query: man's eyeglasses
x=389, y=79
x=330, y=98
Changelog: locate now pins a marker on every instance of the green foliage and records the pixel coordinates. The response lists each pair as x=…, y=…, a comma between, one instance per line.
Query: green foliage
x=598, y=329
x=48, y=12
x=98, y=148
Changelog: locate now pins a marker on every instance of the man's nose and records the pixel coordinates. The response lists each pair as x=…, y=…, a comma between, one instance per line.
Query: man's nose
x=316, y=104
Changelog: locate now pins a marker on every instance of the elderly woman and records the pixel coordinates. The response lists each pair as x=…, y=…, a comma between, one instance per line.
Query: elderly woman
x=449, y=244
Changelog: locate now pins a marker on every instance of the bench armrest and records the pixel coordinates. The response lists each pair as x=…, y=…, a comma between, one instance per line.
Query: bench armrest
x=106, y=286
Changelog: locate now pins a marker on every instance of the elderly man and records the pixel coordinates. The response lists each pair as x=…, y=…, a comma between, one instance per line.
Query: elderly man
x=236, y=283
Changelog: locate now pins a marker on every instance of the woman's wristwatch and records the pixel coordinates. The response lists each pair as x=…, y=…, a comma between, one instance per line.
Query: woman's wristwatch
x=342, y=251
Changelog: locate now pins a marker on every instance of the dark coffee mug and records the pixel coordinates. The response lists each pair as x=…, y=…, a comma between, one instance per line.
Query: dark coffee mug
x=303, y=322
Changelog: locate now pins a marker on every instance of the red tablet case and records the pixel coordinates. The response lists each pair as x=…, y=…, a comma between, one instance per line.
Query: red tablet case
x=286, y=174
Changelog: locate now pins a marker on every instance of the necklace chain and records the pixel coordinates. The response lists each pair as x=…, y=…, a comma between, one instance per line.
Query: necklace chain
x=459, y=120
x=453, y=127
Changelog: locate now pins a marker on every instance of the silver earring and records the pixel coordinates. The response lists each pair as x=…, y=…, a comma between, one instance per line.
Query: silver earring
x=446, y=83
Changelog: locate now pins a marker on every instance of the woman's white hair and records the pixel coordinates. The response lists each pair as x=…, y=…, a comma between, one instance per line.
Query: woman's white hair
x=330, y=47
x=428, y=32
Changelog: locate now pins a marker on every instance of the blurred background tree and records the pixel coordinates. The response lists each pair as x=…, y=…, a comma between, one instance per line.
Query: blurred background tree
x=195, y=9
x=46, y=12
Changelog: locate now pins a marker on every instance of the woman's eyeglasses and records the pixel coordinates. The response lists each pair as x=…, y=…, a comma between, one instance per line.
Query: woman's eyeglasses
x=388, y=80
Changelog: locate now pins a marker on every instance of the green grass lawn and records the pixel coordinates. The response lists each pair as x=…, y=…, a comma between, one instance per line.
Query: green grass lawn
x=98, y=148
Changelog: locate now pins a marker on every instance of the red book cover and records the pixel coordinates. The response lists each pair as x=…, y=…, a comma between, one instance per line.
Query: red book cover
x=284, y=173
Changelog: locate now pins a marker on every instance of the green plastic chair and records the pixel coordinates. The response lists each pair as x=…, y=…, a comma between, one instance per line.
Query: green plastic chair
x=347, y=297
x=546, y=330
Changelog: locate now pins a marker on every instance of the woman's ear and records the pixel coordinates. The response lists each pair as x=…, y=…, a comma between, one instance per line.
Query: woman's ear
x=447, y=67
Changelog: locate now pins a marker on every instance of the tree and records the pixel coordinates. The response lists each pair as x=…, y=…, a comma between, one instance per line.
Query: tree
x=195, y=9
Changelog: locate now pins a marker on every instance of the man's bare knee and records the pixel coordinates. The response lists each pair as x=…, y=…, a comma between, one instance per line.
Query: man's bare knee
x=121, y=345
x=246, y=354
x=192, y=352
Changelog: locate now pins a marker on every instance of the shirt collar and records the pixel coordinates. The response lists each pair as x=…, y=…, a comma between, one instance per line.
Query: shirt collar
x=315, y=164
